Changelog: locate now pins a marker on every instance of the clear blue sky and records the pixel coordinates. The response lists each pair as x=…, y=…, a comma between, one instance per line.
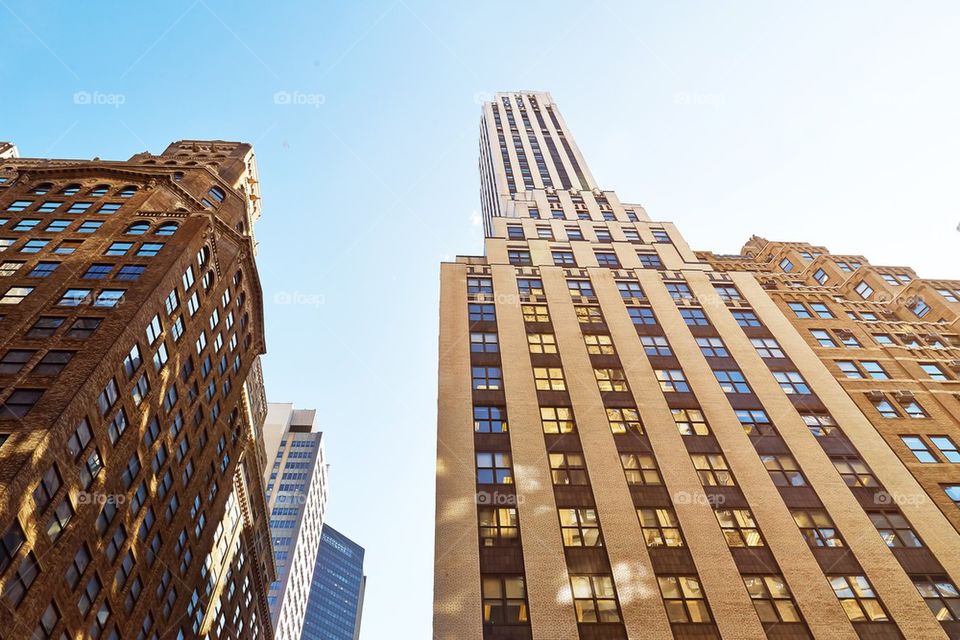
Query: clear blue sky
x=830, y=122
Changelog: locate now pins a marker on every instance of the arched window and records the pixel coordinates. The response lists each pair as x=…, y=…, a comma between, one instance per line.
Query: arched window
x=237, y=278
x=137, y=229
x=41, y=189
x=217, y=194
x=203, y=255
x=70, y=190
x=127, y=191
x=100, y=190
x=167, y=229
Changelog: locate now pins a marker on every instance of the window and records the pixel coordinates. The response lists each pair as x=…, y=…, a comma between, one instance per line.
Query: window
x=713, y=470
x=767, y=347
x=941, y=596
x=920, y=309
x=149, y=249
x=33, y=246
x=603, y=235
x=650, y=261
x=659, y=235
x=684, y=599
x=913, y=409
x=630, y=289
x=563, y=258
x=130, y=272
x=858, y=599
x=98, y=271
x=823, y=338
x=745, y=318
x=557, y=419
x=14, y=360
x=610, y=379
x=530, y=287
x=874, y=370
x=817, y=528
x=727, y=293
x=83, y=328
x=574, y=233
x=672, y=380
x=79, y=207
x=821, y=276
x=26, y=224
x=489, y=419
x=519, y=257
x=535, y=313
x=483, y=342
x=739, y=528
x=53, y=362
x=514, y=232
x=587, y=314
x=953, y=492
x=607, y=259
x=799, y=309
x=549, y=379
x=581, y=288
x=820, y=424
x=791, y=382
x=947, y=447
x=660, y=527
x=542, y=342
x=712, y=348
x=783, y=470
x=755, y=422
x=166, y=229
x=786, y=266
x=933, y=371
x=732, y=381
x=690, y=422
x=109, y=298
x=118, y=248
x=498, y=526
x=771, y=598
x=598, y=344
x=640, y=469
x=694, y=317
x=580, y=528
x=15, y=295
x=19, y=205
x=47, y=488
x=864, y=289
x=494, y=468
x=656, y=346
x=19, y=583
x=594, y=599
x=624, y=420
x=885, y=409
x=477, y=312
x=679, y=291
x=568, y=469
x=894, y=529
x=642, y=315
x=487, y=378
x=854, y=471
x=9, y=268
x=821, y=310
x=919, y=448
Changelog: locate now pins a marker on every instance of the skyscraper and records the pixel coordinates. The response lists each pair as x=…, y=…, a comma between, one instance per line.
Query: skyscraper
x=131, y=466
x=636, y=440
x=297, y=498
x=336, y=594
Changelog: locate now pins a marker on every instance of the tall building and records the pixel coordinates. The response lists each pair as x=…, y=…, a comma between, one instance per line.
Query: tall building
x=131, y=456
x=639, y=441
x=336, y=594
x=297, y=498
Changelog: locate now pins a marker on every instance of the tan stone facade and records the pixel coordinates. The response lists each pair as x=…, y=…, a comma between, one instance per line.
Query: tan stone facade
x=639, y=441
x=131, y=397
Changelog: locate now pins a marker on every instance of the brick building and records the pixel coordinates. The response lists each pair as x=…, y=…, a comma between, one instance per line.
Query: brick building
x=131, y=399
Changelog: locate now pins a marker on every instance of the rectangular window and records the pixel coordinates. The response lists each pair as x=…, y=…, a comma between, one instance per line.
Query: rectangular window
x=98, y=271
x=610, y=379
x=713, y=470
x=745, y=318
x=579, y=527
x=690, y=422
x=660, y=527
x=594, y=599
x=694, y=317
x=772, y=599
x=487, y=378
x=557, y=419
x=549, y=379
x=684, y=599
x=817, y=528
x=672, y=380
x=739, y=528
x=858, y=599
x=640, y=469
x=494, y=468
x=767, y=347
x=15, y=295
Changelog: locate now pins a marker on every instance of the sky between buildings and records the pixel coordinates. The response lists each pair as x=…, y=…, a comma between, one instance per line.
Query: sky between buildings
x=833, y=123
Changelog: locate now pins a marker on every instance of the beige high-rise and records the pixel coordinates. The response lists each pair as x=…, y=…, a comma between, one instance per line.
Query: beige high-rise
x=635, y=443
